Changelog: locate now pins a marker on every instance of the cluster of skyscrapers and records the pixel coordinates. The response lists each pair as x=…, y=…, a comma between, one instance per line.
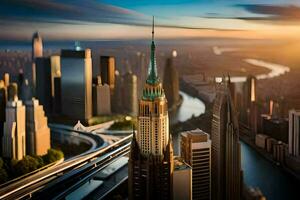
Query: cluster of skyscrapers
x=268, y=124
x=24, y=126
x=206, y=169
x=68, y=87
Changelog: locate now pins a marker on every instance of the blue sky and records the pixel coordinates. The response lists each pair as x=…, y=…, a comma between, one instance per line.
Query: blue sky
x=121, y=19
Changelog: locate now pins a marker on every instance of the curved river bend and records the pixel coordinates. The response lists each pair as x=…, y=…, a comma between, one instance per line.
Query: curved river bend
x=258, y=172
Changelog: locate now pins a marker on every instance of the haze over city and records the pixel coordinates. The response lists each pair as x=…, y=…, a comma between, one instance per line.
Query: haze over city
x=169, y=100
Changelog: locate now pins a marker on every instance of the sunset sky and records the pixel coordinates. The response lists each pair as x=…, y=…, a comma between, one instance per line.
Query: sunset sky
x=120, y=19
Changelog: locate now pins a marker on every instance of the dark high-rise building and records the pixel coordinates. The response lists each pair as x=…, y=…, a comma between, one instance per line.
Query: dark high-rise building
x=171, y=84
x=25, y=91
x=76, y=84
x=107, y=70
x=151, y=165
x=57, y=96
x=277, y=128
x=226, y=156
x=12, y=91
x=43, y=83
x=20, y=81
x=37, y=51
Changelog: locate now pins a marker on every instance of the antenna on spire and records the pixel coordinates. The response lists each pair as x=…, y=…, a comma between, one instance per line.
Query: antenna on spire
x=152, y=28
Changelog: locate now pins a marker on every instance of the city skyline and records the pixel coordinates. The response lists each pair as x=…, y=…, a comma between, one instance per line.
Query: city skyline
x=204, y=106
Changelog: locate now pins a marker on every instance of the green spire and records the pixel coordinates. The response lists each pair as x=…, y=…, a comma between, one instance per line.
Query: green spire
x=152, y=71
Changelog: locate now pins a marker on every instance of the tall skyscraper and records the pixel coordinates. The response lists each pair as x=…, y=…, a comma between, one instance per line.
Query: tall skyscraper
x=107, y=70
x=2, y=109
x=43, y=89
x=3, y=100
x=55, y=72
x=117, y=95
x=294, y=132
x=151, y=164
x=141, y=70
x=20, y=81
x=249, y=110
x=171, y=84
x=226, y=153
x=101, y=98
x=47, y=69
x=76, y=84
x=6, y=79
x=196, y=151
x=37, y=51
x=130, y=98
x=25, y=91
x=57, y=96
x=37, y=130
x=12, y=91
x=14, y=139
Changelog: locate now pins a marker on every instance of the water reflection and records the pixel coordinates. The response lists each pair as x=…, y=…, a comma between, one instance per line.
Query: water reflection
x=258, y=172
x=275, y=70
x=190, y=106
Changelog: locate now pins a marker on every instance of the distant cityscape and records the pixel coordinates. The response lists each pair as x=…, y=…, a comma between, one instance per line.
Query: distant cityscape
x=52, y=91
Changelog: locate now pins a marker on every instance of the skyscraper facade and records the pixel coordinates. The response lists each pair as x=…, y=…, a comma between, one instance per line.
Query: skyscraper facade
x=171, y=84
x=101, y=98
x=37, y=130
x=57, y=96
x=2, y=109
x=37, y=51
x=3, y=100
x=196, y=151
x=107, y=70
x=130, y=99
x=141, y=70
x=117, y=94
x=249, y=111
x=14, y=139
x=151, y=156
x=294, y=133
x=182, y=180
x=12, y=91
x=55, y=72
x=76, y=84
x=226, y=156
x=43, y=82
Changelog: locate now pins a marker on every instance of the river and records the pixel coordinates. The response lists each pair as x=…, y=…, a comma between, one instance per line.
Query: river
x=258, y=172
x=190, y=106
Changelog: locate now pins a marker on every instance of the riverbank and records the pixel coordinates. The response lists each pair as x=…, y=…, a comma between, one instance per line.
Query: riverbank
x=202, y=91
x=259, y=170
x=247, y=140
